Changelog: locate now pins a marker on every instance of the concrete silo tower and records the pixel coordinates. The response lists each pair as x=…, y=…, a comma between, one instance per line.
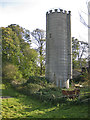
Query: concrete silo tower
x=58, y=47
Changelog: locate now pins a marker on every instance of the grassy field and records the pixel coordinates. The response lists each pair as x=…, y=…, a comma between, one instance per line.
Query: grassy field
x=22, y=106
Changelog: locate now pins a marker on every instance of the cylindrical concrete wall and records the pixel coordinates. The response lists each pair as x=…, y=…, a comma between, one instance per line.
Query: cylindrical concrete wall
x=58, y=47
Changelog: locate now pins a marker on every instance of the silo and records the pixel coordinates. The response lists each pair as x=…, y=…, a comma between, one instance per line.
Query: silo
x=58, y=47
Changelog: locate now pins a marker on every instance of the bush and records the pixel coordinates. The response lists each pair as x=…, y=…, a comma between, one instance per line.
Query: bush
x=36, y=79
x=78, y=79
x=10, y=72
x=33, y=88
x=51, y=86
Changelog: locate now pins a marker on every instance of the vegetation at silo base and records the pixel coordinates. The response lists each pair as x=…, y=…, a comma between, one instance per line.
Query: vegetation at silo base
x=38, y=98
x=23, y=106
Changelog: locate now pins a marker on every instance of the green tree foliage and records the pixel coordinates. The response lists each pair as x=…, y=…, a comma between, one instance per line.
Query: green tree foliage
x=79, y=53
x=16, y=50
x=28, y=65
x=10, y=45
x=39, y=36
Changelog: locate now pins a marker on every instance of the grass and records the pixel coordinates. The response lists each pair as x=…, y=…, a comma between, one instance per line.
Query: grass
x=9, y=91
x=29, y=108
x=22, y=106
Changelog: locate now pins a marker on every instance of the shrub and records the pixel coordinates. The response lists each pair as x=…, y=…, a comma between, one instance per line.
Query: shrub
x=10, y=72
x=78, y=79
x=51, y=86
x=37, y=80
x=33, y=88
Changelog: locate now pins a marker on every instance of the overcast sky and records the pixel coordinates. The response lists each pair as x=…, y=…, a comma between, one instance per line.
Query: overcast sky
x=31, y=14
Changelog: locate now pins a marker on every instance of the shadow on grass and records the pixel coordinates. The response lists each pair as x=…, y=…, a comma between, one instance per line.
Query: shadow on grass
x=9, y=91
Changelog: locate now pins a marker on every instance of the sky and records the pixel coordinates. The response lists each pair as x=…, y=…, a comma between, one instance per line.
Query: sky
x=31, y=14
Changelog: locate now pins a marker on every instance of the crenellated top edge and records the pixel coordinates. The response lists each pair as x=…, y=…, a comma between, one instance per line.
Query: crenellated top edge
x=58, y=11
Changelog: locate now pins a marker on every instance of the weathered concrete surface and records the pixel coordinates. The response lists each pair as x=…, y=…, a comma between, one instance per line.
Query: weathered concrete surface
x=58, y=48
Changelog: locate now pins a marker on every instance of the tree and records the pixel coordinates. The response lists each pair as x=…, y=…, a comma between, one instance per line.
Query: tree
x=28, y=65
x=22, y=33
x=75, y=48
x=39, y=37
x=82, y=19
x=83, y=52
x=79, y=51
x=16, y=50
x=10, y=46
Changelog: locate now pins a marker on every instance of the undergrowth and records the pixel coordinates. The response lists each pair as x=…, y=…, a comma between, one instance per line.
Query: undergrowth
x=22, y=106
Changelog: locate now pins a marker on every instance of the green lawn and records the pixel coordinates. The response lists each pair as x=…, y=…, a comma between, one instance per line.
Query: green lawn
x=22, y=106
